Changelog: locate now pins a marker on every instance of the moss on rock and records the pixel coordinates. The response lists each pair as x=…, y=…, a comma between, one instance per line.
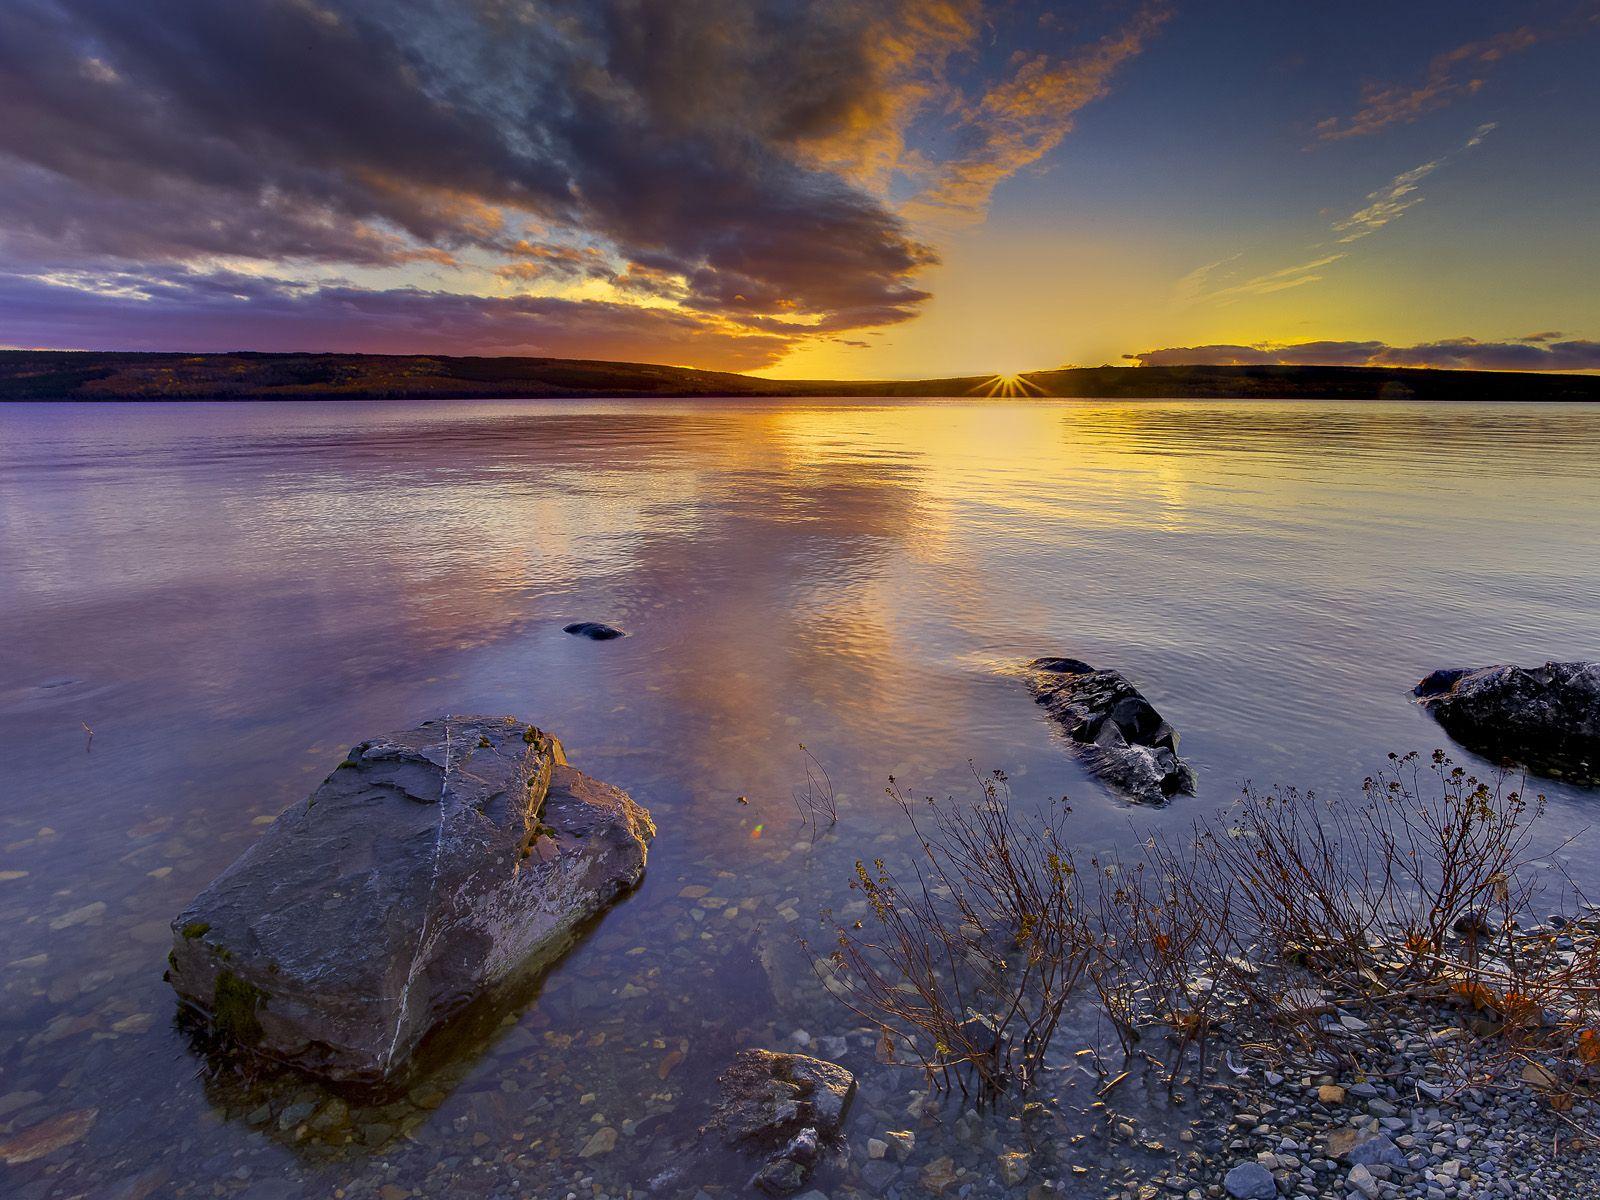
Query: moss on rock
x=234, y=1003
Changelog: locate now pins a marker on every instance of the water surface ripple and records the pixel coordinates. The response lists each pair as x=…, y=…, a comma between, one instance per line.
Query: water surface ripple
x=228, y=596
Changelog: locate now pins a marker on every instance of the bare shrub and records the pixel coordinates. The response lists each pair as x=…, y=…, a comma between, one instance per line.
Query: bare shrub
x=1265, y=920
x=1160, y=946
x=817, y=805
x=1454, y=848
x=968, y=957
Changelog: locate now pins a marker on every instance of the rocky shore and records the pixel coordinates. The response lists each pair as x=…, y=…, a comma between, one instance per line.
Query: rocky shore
x=1449, y=1089
x=1394, y=1123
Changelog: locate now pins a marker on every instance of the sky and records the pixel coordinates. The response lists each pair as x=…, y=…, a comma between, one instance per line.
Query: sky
x=827, y=189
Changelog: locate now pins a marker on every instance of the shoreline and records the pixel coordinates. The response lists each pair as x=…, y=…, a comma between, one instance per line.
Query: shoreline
x=125, y=376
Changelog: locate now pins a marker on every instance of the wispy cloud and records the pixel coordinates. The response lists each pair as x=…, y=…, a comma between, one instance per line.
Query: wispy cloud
x=1535, y=353
x=1280, y=280
x=1213, y=283
x=1403, y=192
x=1196, y=284
x=1456, y=73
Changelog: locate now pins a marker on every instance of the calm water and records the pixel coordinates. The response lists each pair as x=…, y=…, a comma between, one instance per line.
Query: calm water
x=229, y=596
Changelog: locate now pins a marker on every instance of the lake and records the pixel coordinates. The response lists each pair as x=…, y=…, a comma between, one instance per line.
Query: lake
x=203, y=606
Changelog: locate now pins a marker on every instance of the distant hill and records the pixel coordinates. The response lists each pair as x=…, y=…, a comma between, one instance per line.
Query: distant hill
x=72, y=375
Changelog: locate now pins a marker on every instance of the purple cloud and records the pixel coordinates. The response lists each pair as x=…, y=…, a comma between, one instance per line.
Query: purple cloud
x=222, y=312
x=1537, y=353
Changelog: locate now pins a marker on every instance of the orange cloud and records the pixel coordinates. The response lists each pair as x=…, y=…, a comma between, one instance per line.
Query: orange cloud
x=542, y=260
x=905, y=52
x=1023, y=118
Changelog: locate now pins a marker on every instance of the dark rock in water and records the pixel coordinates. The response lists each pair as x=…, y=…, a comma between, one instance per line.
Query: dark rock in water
x=593, y=630
x=1117, y=732
x=783, y=1107
x=1546, y=718
x=1250, y=1181
x=432, y=864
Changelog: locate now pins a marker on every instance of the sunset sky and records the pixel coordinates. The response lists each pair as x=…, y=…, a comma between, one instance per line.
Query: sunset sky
x=846, y=188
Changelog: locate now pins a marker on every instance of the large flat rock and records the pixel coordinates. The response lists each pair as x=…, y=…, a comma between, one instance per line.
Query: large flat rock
x=1545, y=718
x=432, y=864
x=1114, y=730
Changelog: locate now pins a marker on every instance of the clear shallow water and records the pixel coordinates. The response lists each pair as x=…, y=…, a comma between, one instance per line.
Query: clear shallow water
x=229, y=596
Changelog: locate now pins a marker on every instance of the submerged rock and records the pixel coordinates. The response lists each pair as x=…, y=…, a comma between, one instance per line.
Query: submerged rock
x=1117, y=733
x=783, y=1107
x=1546, y=718
x=595, y=631
x=786, y=1110
x=432, y=864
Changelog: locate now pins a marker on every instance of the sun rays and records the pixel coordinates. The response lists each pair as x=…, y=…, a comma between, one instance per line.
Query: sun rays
x=1008, y=387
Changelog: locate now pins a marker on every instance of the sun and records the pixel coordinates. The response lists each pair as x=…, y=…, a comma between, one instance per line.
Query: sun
x=1008, y=385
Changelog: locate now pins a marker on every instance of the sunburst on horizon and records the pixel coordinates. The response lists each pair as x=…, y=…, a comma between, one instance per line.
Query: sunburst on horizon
x=1008, y=387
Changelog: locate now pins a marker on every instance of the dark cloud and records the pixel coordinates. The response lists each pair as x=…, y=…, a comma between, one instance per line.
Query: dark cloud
x=296, y=116
x=226, y=311
x=1537, y=353
x=354, y=131
x=732, y=158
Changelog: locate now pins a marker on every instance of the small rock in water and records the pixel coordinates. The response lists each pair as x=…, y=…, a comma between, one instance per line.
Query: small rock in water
x=1547, y=718
x=783, y=1107
x=78, y=916
x=1013, y=1167
x=938, y=1175
x=903, y=1141
x=595, y=631
x=1375, y=1151
x=47, y=1137
x=1250, y=1181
